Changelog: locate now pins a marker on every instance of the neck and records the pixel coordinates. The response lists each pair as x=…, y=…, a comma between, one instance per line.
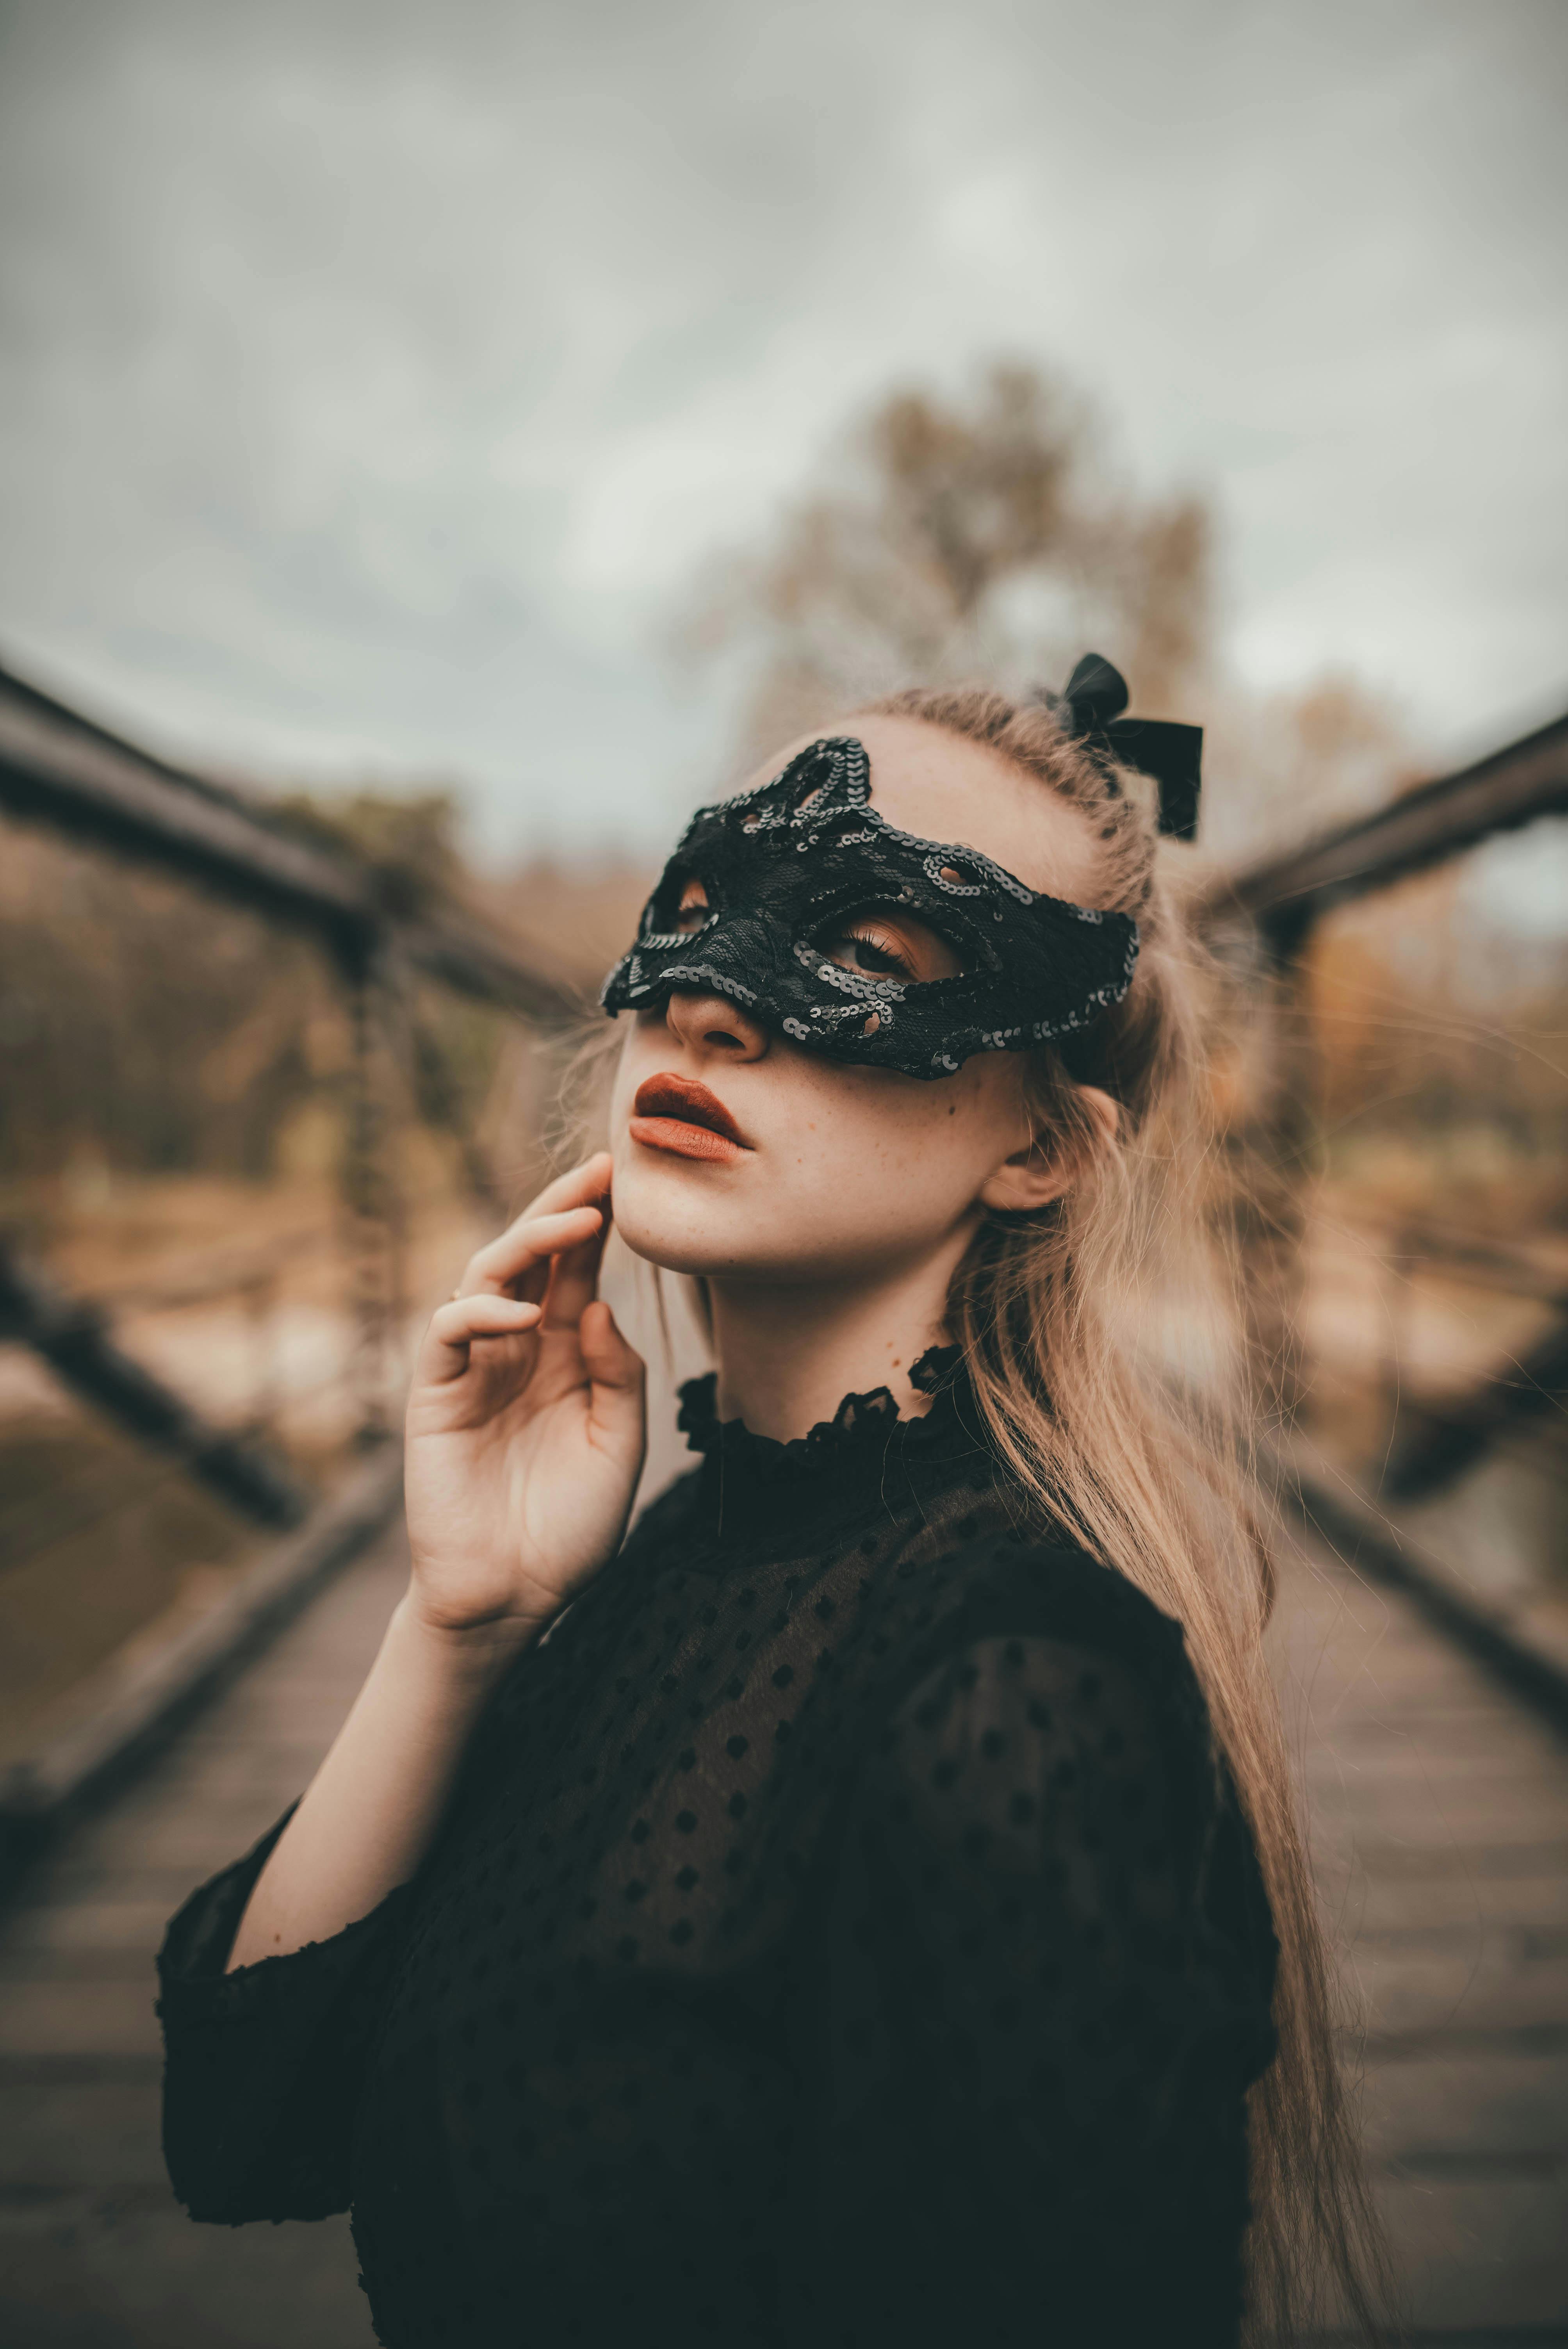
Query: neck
x=788, y=1355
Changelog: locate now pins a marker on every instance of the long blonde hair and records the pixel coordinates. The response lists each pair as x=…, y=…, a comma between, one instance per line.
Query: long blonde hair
x=1126, y=1428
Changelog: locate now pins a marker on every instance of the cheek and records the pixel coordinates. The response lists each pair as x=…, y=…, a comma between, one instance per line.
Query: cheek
x=868, y=1147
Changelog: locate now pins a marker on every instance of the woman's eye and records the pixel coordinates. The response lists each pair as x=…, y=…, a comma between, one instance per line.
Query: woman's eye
x=890, y=949
x=870, y=950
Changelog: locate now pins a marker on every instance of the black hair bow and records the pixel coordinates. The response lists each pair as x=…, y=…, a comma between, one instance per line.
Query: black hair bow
x=1091, y=710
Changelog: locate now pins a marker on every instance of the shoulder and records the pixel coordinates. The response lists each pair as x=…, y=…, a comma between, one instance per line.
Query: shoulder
x=1018, y=1738
x=1032, y=1594
x=1052, y=1683
x=1036, y=1586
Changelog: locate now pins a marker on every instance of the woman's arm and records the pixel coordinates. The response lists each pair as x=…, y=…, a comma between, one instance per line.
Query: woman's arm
x=373, y=1805
x=524, y=1443
x=525, y=1438
x=264, y=2068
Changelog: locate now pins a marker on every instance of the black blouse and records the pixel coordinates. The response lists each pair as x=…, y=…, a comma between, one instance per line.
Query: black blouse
x=840, y=1934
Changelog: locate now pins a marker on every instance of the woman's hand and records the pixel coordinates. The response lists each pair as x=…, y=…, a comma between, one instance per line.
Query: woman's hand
x=525, y=1427
x=525, y=1442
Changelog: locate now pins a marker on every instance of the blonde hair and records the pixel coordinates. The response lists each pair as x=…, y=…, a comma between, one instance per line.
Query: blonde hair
x=1146, y=1456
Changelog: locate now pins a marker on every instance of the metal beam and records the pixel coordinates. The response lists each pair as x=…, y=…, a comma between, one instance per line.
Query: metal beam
x=1426, y=826
x=74, y=1340
x=59, y=769
x=1434, y=1445
x=1370, y=1544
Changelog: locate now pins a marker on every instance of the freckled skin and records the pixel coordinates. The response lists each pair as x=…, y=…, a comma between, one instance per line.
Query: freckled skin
x=895, y=1165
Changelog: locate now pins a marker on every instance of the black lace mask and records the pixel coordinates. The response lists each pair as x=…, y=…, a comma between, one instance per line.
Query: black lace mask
x=781, y=864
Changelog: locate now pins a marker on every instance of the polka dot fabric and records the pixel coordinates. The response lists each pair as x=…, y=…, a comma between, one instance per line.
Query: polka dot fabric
x=841, y=1933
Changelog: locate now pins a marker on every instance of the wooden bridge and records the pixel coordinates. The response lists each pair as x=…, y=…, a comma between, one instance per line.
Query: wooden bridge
x=1440, y=1815
x=1430, y=1718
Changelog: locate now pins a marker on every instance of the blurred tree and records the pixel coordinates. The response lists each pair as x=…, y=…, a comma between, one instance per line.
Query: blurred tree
x=1421, y=1031
x=961, y=540
x=148, y=1029
x=143, y=1028
x=983, y=539
x=409, y=838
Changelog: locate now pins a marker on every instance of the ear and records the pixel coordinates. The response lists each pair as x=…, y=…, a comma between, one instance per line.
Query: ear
x=1045, y=1169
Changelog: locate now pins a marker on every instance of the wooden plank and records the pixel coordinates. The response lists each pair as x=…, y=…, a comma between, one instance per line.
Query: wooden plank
x=120, y=1712
x=1503, y=1642
x=93, y=2248
x=1452, y=2043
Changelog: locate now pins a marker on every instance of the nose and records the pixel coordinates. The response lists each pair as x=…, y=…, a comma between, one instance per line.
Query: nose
x=713, y=1024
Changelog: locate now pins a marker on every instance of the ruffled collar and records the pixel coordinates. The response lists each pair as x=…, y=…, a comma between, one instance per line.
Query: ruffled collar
x=866, y=1454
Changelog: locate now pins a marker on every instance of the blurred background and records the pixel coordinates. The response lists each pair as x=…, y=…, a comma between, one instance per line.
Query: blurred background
x=439, y=447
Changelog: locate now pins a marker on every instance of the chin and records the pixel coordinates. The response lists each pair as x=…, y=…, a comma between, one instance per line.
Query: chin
x=676, y=1218
x=673, y=1213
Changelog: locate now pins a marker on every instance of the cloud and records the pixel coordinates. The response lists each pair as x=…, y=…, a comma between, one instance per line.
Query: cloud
x=375, y=377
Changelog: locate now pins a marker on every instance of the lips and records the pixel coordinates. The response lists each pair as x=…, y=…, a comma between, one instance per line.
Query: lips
x=678, y=1114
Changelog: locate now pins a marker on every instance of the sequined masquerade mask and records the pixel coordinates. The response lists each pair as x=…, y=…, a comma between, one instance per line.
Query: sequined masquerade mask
x=783, y=867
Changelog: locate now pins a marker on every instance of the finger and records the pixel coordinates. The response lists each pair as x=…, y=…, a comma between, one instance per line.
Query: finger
x=616, y=1369
x=453, y=1329
x=520, y=1258
x=580, y=1186
x=574, y=1281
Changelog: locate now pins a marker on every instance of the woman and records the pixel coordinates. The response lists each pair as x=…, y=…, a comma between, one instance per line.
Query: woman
x=834, y=1913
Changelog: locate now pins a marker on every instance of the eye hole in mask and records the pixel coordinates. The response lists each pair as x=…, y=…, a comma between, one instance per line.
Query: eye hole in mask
x=887, y=942
x=679, y=907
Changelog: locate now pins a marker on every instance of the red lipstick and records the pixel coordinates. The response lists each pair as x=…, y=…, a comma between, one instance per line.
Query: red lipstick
x=678, y=1114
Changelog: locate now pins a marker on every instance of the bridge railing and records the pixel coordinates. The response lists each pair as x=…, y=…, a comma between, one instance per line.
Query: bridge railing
x=1410, y=1499
x=200, y=1363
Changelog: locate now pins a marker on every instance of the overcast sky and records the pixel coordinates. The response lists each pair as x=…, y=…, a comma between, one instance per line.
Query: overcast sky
x=373, y=378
